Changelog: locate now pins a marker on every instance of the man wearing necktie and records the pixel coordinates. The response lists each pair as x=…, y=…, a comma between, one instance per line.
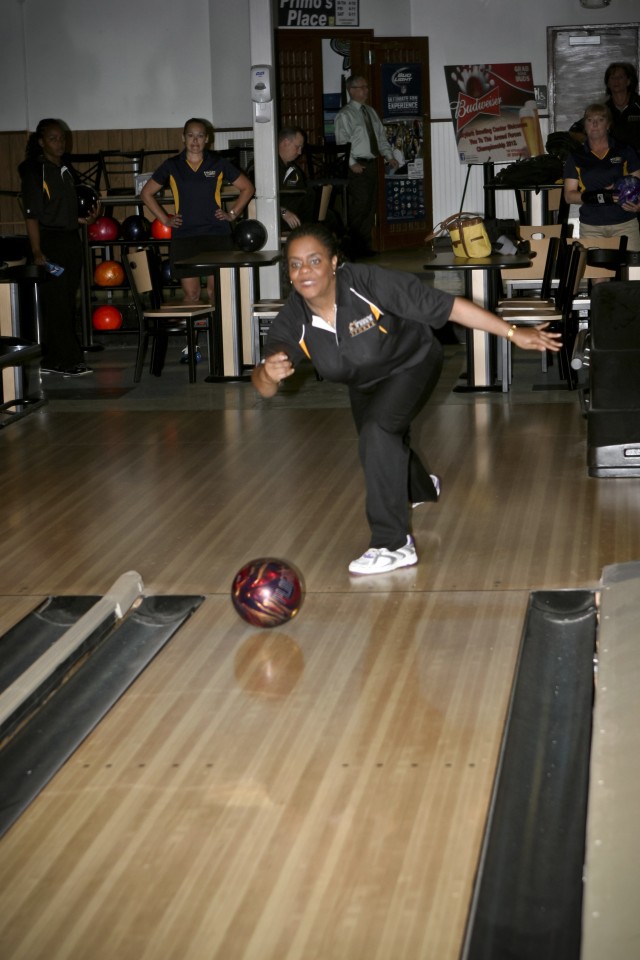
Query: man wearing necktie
x=360, y=125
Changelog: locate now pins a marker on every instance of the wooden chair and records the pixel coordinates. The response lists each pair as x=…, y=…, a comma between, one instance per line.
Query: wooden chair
x=161, y=320
x=532, y=278
x=545, y=268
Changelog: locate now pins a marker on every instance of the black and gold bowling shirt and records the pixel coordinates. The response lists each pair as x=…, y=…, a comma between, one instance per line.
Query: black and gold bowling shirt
x=49, y=195
x=197, y=194
x=384, y=324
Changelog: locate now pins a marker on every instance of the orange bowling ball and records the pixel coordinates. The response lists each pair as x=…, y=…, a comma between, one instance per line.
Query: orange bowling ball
x=109, y=273
x=107, y=318
x=159, y=231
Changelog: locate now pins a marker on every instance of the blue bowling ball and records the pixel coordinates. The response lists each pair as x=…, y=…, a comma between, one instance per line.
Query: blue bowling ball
x=627, y=189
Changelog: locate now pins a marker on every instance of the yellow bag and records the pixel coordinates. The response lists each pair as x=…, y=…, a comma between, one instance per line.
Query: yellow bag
x=469, y=237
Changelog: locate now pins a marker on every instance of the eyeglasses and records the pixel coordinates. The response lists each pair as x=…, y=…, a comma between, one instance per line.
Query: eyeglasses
x=361, y=86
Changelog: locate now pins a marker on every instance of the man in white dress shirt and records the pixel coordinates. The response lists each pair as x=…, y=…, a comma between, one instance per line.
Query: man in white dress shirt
x=359, y=124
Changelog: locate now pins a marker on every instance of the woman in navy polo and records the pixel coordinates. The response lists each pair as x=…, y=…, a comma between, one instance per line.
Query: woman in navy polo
x=590, y=175
x=200, y=223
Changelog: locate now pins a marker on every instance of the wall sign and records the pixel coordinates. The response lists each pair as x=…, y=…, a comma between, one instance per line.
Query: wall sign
x=494, y=111
x=318, y=13
x=402, y=115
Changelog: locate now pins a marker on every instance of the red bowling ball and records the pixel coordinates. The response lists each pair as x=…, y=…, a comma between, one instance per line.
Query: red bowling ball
x=105, y=228
x=107, y=318
x=159, y=231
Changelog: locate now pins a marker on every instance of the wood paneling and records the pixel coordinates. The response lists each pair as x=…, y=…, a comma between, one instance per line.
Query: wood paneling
x=12, y=148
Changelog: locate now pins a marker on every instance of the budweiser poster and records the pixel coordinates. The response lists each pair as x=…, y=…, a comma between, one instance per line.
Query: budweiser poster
x=494, y=111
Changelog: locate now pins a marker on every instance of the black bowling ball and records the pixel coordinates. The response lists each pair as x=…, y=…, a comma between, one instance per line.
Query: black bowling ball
x=250, y=235
x=167, y=276
x=135, y=228
x=88, y=199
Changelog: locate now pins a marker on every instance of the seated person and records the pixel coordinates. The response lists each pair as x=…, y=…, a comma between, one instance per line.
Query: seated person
x=298, y=207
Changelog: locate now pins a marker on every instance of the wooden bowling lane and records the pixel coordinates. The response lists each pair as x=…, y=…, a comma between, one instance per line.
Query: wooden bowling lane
x=316, y=791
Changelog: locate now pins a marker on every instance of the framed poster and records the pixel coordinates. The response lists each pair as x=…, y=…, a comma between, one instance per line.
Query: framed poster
x=403, y=119
x=494, y=111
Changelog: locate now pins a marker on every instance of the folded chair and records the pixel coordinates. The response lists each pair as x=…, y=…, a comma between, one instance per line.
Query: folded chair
x=158, y=320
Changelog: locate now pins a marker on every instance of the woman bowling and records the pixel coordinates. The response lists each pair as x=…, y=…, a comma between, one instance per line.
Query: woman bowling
x=372, y=329
x=51, y=216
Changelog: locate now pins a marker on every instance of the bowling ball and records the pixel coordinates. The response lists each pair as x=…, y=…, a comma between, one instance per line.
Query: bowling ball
x=167, y=276
x=159, y=231
x=135, y=227
x=105, y=228
x=627, y=189
x=250, y=235
x=109, y=273
x=266, y=592
x=107, y=318
x=88, y=199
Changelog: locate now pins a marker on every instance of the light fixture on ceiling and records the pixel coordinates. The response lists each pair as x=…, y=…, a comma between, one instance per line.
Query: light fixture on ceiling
x=594, y=4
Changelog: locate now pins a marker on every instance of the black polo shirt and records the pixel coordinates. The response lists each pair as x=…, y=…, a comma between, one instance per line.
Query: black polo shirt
x=49, y=195
x=384, y=324
x=600, y=173
x=197, y=194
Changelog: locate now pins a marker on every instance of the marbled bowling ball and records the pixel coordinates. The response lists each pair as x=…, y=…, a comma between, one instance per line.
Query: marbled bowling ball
x=109, y=273
x=628, y=190
x=267, y=592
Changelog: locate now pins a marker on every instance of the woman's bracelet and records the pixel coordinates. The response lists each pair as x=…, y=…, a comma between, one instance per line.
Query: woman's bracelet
x=232, y=214
x=510, y=332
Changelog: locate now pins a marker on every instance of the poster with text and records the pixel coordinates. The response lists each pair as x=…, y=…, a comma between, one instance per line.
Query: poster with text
x=402, y=116
x=494, y=111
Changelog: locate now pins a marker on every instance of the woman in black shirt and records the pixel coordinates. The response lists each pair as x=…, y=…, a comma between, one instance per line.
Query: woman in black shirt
x=52, y=221
x=372, y=329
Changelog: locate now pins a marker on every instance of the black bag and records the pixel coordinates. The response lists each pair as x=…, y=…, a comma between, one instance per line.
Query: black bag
x=563, y=143
x=505, y=238
x=532, y=172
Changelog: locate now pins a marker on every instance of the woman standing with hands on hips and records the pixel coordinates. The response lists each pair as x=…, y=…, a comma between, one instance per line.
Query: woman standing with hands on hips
x=199, y=224
x=372, y=329
x=51, y=216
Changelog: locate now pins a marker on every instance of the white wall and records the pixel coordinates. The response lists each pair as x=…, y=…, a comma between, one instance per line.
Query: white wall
x=103, y=64
x=500, y=31
x=153, y=63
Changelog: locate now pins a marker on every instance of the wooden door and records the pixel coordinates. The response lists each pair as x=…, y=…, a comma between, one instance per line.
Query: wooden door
x=309, y=95
x=300, y=93
x=404, y=199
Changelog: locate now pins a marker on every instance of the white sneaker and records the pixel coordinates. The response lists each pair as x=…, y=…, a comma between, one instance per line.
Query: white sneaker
x=436, y=482
x=381, y=560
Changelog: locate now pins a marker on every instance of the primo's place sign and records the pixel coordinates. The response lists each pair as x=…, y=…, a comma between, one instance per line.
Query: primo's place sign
x=318, y=13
